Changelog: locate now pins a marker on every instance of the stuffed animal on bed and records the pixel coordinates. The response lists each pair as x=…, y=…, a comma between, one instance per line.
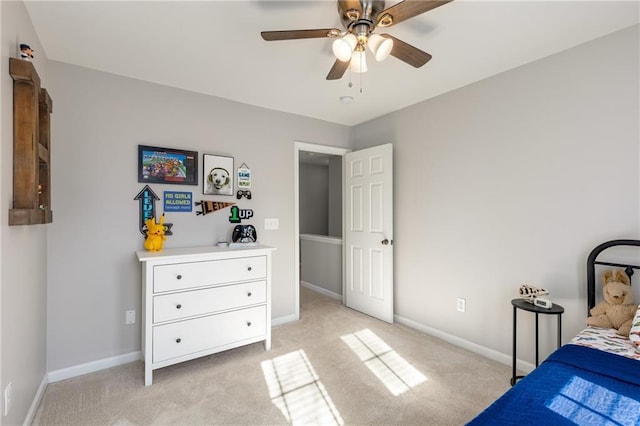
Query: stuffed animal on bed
x=618, y=308
x=155, y=234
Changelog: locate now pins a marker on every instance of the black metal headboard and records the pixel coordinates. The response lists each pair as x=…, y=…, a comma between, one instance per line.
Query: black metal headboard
x=592, y=262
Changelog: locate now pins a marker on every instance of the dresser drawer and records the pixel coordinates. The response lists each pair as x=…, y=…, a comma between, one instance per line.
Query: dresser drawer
x=201, y=334
x=179, y=276
x=173, y=306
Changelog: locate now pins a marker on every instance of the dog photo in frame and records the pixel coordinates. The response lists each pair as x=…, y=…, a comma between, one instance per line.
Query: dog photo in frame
x=217, y=175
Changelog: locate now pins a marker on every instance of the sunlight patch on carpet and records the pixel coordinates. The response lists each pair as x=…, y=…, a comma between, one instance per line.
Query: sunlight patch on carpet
x=296, y=389
x=393, y=371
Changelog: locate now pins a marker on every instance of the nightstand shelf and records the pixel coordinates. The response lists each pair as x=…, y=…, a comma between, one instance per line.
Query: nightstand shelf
x=527, y=306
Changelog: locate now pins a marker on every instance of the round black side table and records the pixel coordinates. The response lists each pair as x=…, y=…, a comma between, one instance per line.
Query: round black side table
x=527, y=306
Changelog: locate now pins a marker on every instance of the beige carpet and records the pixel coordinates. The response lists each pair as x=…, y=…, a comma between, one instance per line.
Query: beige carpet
x=334, y=366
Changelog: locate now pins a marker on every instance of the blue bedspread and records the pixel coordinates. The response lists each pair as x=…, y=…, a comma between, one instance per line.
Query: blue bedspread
x=575, y=385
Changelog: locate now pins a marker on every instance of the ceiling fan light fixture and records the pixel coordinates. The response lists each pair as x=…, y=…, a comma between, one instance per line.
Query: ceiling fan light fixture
x=343, y=47
x=380, y=46
x=359, y=61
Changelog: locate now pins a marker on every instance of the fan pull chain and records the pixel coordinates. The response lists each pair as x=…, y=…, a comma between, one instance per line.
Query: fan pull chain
x=350, y=85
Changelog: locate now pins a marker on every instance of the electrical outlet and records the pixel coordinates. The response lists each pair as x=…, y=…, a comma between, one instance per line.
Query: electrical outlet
x=130, y=317
x=272, y=223
x=7, y=398
x=461, y=304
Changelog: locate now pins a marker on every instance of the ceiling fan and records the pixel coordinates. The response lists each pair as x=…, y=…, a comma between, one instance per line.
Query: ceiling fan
x=361, y=18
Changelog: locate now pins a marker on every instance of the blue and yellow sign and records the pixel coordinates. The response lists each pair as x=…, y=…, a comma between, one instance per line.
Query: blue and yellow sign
x=178, y=201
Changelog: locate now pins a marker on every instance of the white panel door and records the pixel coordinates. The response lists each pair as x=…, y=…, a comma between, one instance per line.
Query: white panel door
x=369, y=231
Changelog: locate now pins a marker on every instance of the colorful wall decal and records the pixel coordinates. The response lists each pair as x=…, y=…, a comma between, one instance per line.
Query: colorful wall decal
x=210, y=206
x=238, y=215
x=178, y=201
x=244, y=176
x=243, y=193
x=148, y=200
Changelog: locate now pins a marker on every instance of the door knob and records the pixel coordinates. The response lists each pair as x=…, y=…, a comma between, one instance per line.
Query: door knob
x=385, y=242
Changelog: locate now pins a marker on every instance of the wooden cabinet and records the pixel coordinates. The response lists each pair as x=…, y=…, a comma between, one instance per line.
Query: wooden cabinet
x=32, y=107
x=199, y=301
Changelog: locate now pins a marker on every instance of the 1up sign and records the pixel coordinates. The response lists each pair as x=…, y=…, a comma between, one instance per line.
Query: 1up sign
x=238, y=214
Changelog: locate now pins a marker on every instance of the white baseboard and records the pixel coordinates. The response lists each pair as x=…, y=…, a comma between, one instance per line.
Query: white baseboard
x=31, y=414
x=284, y=320
x=321, y=290
x=90, y=367
x=465, y=344
x=102, y=364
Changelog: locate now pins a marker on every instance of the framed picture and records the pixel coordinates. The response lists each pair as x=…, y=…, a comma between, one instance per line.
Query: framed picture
x=167, y=165
x=217, y=175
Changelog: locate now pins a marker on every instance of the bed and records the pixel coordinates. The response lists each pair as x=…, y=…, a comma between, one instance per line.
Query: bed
x=592, y=380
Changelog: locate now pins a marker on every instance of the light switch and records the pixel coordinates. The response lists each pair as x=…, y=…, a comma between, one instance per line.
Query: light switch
x=272, y=223
x=130, y=317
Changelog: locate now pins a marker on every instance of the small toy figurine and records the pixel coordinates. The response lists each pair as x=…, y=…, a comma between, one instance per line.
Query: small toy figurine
x=26, y=52
x=155, y=234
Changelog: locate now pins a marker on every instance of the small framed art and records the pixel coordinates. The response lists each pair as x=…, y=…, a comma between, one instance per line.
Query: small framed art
x=167, y=165
x=217, y=175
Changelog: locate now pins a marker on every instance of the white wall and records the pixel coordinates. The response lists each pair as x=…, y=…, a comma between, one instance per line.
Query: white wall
x=99, y=119
x=514, y=180
x=320, y=197
x=321, y=264
x=23, y=259
x=314, y=198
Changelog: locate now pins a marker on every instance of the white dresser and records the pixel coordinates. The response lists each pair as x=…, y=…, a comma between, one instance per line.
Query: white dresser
x=202, y=300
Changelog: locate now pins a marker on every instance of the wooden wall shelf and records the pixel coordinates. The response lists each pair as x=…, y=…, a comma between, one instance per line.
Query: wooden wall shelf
x=32, y=107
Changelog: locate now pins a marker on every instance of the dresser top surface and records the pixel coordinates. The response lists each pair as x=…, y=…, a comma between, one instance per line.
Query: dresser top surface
x=180, y=252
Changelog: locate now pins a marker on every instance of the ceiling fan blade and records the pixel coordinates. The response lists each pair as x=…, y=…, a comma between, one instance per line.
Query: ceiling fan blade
x=408, y=9
x=298, y=34
x=408, y=53
x=337, y=70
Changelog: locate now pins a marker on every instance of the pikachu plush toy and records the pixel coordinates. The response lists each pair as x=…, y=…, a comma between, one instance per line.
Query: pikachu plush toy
x=155, y=234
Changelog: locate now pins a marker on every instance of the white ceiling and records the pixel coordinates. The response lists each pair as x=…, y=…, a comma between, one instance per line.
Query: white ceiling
x=214, y=47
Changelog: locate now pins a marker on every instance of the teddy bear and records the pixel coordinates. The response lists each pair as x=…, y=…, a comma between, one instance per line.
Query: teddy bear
x=155, y=234
x=618, y=308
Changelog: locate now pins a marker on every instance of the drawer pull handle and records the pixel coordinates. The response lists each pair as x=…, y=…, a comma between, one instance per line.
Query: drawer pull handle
x=178, y=306
x=179, y=277
x=178, y=340
x=248, y=323
x=249, y=294
x=249, y=269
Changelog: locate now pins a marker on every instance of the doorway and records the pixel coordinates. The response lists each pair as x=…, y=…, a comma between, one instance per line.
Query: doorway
x=316, y=156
